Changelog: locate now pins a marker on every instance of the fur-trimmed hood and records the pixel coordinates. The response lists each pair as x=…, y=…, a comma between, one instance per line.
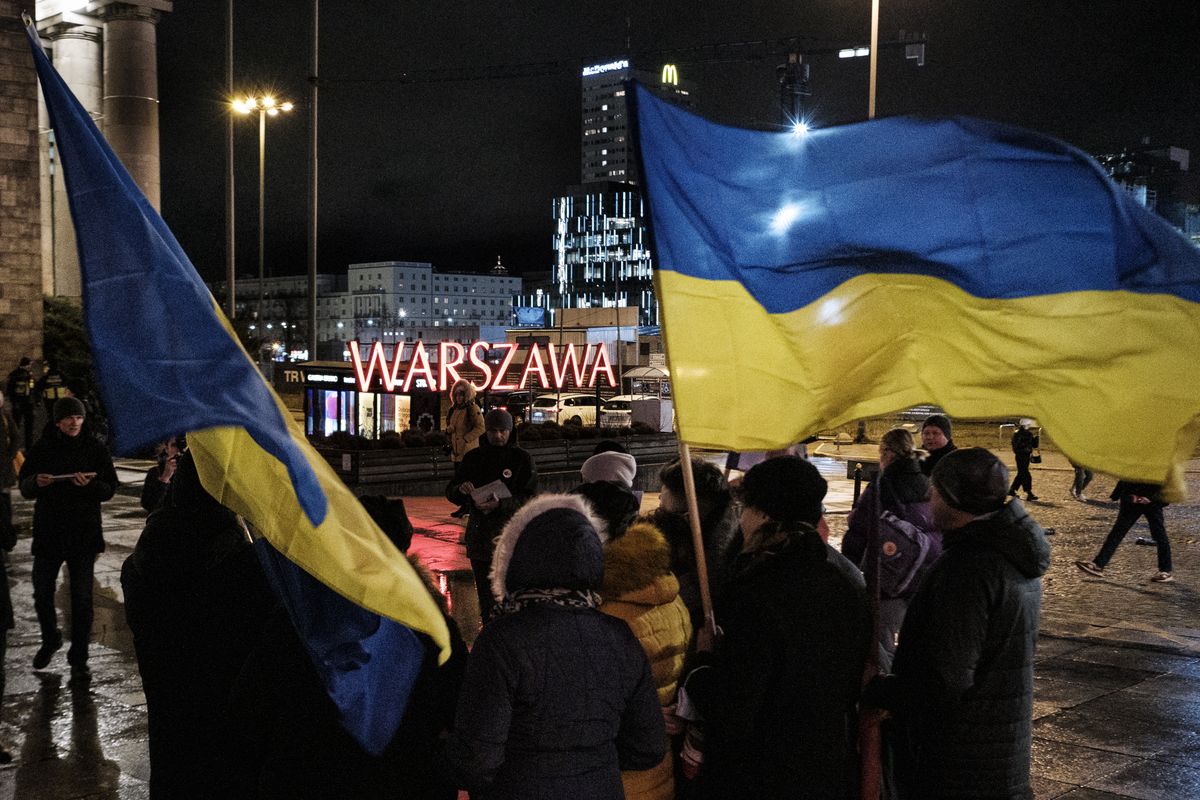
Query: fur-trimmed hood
x=471, y=393
x=553, y=541
x=636, y=560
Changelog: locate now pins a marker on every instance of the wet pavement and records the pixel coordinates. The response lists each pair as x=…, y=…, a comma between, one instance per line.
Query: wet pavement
x=1117, y=700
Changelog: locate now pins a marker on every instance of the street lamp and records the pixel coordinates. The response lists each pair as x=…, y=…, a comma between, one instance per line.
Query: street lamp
x=266, y=106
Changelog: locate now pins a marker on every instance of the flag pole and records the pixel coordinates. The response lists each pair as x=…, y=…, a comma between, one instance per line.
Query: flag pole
x=689, y=488
x=869, y=742
x=874, y=57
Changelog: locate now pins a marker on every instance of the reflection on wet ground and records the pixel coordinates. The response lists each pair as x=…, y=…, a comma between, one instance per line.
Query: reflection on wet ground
x=1121, y=720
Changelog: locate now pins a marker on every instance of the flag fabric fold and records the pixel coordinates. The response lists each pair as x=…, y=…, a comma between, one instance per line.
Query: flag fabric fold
x=808, y=280
x=168, y=361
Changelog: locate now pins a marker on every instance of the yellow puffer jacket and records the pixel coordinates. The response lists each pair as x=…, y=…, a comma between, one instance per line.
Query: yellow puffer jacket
x=640, y=589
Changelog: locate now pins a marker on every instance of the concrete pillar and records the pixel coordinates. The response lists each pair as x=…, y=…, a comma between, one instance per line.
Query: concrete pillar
x=20, y=228
x=74, y=41
x=131, y=88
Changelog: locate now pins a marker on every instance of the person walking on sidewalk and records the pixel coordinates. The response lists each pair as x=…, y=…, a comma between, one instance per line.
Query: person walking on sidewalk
x=68, y=474
x=961, y=692
x=1024, y=442
x=19, y=390
x=1083, y=476
x=498, y=458
x=1136, y=499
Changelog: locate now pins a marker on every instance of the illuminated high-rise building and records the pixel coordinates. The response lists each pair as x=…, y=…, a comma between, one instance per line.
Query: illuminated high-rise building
x=601, y=253
x=607, y=151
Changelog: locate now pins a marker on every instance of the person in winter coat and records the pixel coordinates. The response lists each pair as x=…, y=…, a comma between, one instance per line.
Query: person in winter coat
x=1024, y=442
x=301, y=749
x=464, y=421
x=9, y=445
x=936, y=440
x=158, y=477
x=777, y=691
x=1136, y=499
x=961, y=691
x=19, y=390
x=196, y=601
x=608, y=486
x=68, y=474
x=497, y=459
x=904, y=492
x=558, y=697
x=718, y=527
x=640, y=589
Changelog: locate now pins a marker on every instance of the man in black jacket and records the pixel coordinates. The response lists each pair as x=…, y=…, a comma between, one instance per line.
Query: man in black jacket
x=937, y=440
x=19, y=390
x=498, y=458
x=962, y=687
x=69, y=475
x=778, y=691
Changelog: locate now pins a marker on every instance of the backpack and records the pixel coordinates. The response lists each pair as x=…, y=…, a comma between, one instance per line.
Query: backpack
x=904, y=554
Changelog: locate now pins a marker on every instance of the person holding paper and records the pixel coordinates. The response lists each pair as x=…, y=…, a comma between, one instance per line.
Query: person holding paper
x=493, y=481
x=68, y=474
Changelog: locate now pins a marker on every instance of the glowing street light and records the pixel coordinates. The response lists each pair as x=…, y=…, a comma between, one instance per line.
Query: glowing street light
x=266, y=106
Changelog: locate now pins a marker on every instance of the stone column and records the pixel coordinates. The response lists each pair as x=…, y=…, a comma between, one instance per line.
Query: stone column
x=131, y=89
x=75, y=51
x=20, y=227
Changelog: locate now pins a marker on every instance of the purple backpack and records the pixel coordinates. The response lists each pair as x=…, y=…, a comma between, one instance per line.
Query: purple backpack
x=905, y=552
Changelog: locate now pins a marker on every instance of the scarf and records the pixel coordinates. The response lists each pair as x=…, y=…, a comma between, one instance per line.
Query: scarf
x=567, y=598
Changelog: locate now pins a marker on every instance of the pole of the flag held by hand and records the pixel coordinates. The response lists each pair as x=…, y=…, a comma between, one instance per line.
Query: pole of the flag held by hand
x=689, y=488
x=868, y=733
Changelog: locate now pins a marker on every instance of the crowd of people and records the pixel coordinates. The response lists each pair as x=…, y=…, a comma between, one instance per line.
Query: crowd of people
x=597, y=671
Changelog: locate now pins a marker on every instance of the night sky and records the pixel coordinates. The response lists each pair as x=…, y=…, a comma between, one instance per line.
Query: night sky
x=459, y=172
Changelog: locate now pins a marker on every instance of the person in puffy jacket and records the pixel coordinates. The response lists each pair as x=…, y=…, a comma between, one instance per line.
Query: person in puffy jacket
x=903, y=491
x=961, y=690
x=464, y=421
x=558, y=698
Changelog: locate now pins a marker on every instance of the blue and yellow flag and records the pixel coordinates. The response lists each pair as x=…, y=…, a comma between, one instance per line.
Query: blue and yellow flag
x=167, y=360
x=807, y=280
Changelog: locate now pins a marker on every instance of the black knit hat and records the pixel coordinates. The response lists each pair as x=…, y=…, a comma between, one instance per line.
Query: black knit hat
x=68, y=407
x=498, y=420
x=938, y=421
x=787, y=489
x=972, y=480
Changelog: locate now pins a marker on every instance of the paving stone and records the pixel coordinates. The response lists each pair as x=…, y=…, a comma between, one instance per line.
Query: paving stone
x=1074, y=764
x=1100, y=732
x=1086, y=673
x=1063, y=694
x=1046, y=789
x=1136, y=659
x=1152, y=780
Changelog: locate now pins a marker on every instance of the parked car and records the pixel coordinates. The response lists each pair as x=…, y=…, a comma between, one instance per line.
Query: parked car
x=515, y=403
x=578, y=409
x=617, y=411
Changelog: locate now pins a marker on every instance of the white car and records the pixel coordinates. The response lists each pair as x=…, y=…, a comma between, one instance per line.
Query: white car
x=577, y=409
x=617, y=411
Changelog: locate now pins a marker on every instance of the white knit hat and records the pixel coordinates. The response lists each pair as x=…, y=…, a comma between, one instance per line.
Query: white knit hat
x=610, y=466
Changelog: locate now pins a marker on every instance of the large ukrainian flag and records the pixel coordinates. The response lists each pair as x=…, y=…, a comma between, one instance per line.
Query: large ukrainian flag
x=168, y=361
x=810, y=280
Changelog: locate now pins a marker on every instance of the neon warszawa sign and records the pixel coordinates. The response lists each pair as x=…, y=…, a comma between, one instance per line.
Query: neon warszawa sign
x=547, y=366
